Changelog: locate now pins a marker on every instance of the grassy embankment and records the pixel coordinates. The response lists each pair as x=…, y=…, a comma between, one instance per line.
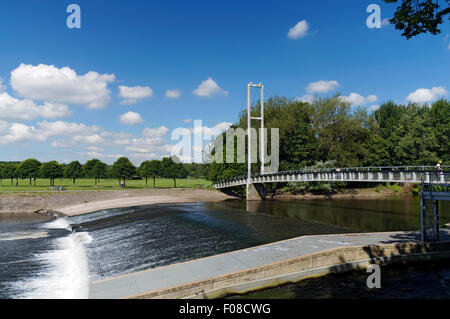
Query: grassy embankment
x=105, y=184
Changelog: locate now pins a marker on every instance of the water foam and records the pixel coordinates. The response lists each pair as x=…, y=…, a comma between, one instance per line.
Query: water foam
x=58, y=223
x=66, y=271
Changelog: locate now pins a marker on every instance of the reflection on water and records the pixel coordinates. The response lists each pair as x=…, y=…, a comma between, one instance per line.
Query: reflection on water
x=421, y=281
x=365, y=215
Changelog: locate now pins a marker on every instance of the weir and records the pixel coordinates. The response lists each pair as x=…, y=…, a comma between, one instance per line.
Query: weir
x=272, y=264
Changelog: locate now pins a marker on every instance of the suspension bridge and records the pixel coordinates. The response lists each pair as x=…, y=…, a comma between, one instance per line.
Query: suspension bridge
x=435, y=181
x=393, y=174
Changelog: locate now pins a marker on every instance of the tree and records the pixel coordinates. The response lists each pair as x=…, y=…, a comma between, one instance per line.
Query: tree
x=340, y=135
x=327, y=130
x=30, y=169
x=123, y=169
x=440, y=123
x=1, y=175
x=414, y=17
x=74, y=170
x=170, y=169
x=9, y=170
x=95, y=169
x=51, y=170
x=150, y=169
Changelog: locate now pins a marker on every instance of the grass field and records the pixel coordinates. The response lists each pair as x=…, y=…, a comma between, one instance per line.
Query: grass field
x=105, y=184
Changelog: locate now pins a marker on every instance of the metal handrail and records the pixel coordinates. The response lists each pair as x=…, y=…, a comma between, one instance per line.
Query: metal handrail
x=408, y=169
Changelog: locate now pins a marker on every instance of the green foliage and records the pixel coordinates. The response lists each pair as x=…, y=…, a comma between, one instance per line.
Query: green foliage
x=170, y=169
x=95, y=169
x=317, y=188
x=414, y=17
x=123, y=169
x=197, y=170
x=51, y=170
x=393, y=187
x=151, y=169
x=30, y=169
x=328, y=131
x=9, y=170
x=74, y=170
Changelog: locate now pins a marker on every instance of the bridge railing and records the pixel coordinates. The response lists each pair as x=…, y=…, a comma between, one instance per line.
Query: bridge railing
x=437, y=182
x=427, y=172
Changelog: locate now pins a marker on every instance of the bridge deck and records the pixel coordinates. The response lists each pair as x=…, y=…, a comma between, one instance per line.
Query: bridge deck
x=394, y=175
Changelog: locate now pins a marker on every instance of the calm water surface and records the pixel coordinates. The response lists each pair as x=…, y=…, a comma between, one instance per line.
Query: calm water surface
x=44, y=258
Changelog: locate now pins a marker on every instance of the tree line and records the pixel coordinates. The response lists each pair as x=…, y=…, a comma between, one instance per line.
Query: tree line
x=122, y=170
x=329, y=130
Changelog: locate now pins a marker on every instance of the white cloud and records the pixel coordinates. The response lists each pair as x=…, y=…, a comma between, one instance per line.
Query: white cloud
x=385, y=22
x=18, y=132
x=137, y=149
x=155, y=132
x=78, y=133
x=62, y=85
x=322, y=86
x=173, y=94
x=26, y=110
x=61, y=128
x=426, y=95
x=131, y=118
x=144, y=156
x=307, y=98
x=61, y=144
x=209, y=88
x=298, y=31
x=223, y=126
x=132, y=94
x=355, y=99
x=88, y=139
x=102, y=155
x=374, y=108
x=211, y=131
x=95, y=149
x=371, y=98
x=188, y=121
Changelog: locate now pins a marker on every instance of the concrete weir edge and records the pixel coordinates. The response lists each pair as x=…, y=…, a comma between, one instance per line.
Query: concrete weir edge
x=336, y=260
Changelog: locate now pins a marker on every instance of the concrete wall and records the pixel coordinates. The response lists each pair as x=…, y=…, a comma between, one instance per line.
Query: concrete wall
x=309, y=266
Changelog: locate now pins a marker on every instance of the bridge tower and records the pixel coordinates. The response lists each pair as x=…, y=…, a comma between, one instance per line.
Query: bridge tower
x=255, y=191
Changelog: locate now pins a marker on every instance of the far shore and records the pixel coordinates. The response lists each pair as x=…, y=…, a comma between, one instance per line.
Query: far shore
x=76, y=203
x=71, y=203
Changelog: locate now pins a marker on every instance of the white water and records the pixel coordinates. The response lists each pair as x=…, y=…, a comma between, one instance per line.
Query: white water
x=66, y=272
x=59, y=223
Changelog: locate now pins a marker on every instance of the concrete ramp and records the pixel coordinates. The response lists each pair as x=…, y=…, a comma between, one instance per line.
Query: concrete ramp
x=270, y=265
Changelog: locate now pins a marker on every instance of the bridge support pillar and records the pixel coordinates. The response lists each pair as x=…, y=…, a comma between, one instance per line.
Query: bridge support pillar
x=256, y=192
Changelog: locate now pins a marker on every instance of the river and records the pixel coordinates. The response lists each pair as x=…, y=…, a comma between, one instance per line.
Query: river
x=44, y=258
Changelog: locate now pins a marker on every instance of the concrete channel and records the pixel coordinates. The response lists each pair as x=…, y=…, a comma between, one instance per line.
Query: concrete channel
x=270, y=265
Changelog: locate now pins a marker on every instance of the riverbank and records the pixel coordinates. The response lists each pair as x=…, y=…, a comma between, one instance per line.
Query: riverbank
x=363, y=193
x=81, y=202
x=77, y=202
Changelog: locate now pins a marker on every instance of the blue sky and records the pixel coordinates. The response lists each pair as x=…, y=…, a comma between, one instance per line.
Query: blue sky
x=50, y=109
